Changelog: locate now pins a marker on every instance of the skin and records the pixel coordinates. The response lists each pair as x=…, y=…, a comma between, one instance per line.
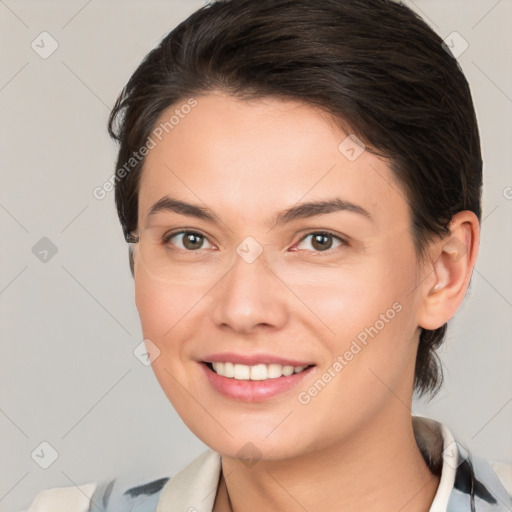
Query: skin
x=352, y=446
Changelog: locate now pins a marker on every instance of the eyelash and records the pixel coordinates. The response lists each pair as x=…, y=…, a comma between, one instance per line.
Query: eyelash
x=167, y=237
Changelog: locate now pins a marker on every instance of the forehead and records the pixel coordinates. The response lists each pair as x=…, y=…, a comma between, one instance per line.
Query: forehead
x=249, y=159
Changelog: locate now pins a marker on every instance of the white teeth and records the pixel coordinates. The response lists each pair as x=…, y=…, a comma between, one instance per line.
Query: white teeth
x=287, y=370
x=256, y=372
x=229, y=370
x=259, y=372
x=241, y=372
x=274, y=371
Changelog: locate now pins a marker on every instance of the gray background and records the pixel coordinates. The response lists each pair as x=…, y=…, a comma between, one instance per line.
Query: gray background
x=69, y=325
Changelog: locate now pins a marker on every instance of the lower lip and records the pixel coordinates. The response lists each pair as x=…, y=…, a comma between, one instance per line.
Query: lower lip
x=253, y=390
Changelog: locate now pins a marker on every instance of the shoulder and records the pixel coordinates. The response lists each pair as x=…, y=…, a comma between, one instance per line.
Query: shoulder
x=504, y=472
x=497, y=476
x=467, y=480
x=120, y=495
x=72, y=499
x=485, y=483
x=116, y=495
x=131, y=492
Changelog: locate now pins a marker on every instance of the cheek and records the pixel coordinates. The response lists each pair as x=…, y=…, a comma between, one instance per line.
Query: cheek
x=367, y=314
x=154, y=306
x=163, y=315
x=162, y=309
x=345, y=300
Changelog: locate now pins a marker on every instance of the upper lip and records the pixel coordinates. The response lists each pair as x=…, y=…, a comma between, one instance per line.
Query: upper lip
x=253, y=359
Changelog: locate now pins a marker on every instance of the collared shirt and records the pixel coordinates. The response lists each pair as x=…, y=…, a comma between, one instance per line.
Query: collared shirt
x=467, y=483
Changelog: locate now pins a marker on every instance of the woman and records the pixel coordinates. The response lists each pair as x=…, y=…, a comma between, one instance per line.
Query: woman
x=300, y=183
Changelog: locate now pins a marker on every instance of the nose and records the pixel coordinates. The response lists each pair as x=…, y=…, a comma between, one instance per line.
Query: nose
x=250, y=297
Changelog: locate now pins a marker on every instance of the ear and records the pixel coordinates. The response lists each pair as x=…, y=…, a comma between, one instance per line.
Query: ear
x=452, y=261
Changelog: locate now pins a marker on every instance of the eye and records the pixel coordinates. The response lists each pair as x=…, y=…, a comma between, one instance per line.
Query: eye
x=188, y=240
x=322, y=241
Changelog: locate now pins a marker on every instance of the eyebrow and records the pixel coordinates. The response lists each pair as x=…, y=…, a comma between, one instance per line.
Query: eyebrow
x=300, y=211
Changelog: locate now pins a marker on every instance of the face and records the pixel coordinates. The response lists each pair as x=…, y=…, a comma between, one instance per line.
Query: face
x=331, y=289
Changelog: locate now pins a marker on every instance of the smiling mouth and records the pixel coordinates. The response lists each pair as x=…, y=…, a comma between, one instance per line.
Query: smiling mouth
x=255, y=372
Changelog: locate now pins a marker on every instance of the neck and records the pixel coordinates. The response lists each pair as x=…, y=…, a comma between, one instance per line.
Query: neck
x=377, y=468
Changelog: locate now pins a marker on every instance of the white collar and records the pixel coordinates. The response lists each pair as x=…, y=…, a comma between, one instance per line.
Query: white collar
x=194, y=488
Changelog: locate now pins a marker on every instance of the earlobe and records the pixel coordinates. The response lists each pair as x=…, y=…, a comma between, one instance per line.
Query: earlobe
x=453, y=260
